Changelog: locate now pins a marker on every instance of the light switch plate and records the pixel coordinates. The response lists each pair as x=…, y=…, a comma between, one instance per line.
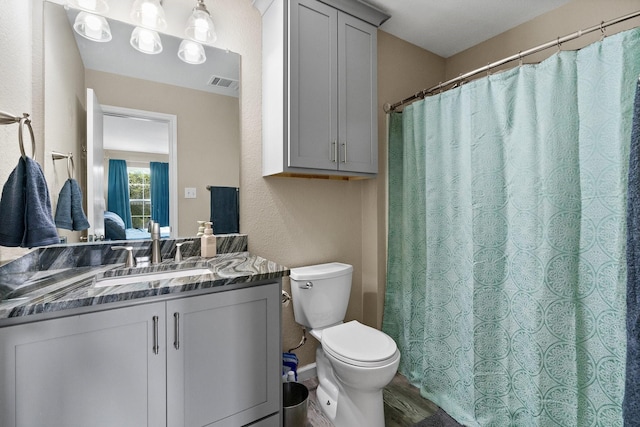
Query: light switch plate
x=189, y=193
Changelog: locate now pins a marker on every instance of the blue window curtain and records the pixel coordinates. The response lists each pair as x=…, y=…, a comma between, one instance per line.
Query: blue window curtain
x=118, y=190
x=160, y=193
x=506, y=278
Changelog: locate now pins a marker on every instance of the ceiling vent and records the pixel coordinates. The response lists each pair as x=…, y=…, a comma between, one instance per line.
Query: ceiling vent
x=223, y=82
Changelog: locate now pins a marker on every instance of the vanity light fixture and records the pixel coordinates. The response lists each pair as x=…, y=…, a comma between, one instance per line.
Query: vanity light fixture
x=148, y=14
x=146, y=41
x=191, y=52
x=92, y=27
x=200, y=25
x=95, y=6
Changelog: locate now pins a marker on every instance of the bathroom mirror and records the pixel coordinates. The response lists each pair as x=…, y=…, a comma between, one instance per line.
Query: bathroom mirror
x=197, y=106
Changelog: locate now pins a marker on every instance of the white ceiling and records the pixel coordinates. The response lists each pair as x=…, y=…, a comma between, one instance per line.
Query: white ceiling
x=447, y=27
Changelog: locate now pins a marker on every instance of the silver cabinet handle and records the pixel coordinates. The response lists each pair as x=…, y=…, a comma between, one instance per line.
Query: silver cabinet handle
x=176, y=325
x=344, y=145
x=156, y=347
x=333, y=150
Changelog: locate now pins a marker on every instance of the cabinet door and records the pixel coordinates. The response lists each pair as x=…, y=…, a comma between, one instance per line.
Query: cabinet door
x=313, y=85
x=224, y=357
x=97, y=369
x=357, y=94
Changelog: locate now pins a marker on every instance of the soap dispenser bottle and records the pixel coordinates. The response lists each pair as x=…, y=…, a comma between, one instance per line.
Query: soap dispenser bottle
x=208, y=242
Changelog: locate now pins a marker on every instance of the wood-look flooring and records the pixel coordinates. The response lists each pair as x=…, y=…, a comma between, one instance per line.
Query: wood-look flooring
x=403, y=405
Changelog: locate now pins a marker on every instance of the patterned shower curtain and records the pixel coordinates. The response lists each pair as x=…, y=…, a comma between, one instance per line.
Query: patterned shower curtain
x=506, y=266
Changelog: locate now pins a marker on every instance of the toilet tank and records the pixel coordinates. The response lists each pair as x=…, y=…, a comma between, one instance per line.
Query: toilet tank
x=320, y=293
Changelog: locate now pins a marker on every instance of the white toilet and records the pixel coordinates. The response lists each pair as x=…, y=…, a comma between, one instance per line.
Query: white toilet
x=354, y=362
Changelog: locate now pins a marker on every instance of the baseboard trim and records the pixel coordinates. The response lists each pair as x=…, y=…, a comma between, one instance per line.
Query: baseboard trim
x=306, y=372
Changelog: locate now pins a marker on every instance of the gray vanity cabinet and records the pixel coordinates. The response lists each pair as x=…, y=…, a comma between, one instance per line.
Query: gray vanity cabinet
x=224, y=358
x=211, y=360
x=96, y=369
x=319, y=91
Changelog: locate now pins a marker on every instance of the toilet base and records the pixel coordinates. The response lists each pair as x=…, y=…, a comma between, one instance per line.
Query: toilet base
x=346, y=406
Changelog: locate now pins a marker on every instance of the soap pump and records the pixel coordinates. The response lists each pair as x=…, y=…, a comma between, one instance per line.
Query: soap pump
x=208, y=241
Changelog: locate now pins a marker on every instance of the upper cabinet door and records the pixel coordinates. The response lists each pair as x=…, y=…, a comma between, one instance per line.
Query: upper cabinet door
x=357, y=59
x=313, y=85
x=319, y=89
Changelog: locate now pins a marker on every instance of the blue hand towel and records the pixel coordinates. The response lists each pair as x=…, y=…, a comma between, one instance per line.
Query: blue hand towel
x=631, y=402
x=69, y=213
x=63, y=209
x=40, y=229
x=12, y=204
x=225, y=211
x=80, y=221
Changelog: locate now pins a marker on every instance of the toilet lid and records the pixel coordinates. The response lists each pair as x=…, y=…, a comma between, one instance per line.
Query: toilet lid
x=358, y=343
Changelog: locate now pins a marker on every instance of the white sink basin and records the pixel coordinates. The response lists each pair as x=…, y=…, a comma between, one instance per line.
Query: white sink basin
x=150, y=277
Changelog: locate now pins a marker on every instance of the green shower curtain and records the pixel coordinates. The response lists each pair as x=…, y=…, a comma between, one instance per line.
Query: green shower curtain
x=506, y=248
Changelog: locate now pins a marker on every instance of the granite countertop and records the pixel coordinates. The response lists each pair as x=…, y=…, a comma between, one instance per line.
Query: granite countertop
x=53, y=291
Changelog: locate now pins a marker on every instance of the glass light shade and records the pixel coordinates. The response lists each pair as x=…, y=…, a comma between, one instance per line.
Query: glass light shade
x=191, y=52
x=96, y=6
x=146, y=41
x=92, y=27
x=148, y=14
x=200, y=27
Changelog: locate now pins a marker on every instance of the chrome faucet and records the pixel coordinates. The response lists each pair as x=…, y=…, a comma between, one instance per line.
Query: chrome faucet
x=154, y=229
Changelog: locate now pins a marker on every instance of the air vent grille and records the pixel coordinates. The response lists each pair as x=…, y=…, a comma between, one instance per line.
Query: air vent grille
x=223, y=82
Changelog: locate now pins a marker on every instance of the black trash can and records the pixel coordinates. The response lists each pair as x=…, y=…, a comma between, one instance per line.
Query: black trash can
x=295, y=397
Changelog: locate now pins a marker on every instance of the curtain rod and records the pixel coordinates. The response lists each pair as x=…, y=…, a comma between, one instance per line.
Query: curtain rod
x=421, y=94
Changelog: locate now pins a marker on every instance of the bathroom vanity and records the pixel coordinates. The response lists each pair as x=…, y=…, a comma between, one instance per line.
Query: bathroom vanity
x=186, y=351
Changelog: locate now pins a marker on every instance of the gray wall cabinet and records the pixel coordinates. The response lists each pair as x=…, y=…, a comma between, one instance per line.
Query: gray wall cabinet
x=211, y=360
x=319, y=91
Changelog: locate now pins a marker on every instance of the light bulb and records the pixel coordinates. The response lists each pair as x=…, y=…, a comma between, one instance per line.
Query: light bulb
x=148, y=14
x=146, y=41
x=87, y=4
x=200, y=27
x=92, y=27
x=191, y=52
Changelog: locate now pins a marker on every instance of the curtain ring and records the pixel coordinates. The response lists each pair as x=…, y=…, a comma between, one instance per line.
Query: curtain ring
x=559, y=44
x=24, y=121
x=603, y=30
x=488, y=69
x=520, y=58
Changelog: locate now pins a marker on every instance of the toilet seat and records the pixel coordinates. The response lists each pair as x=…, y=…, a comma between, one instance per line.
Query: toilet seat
x=358, y=344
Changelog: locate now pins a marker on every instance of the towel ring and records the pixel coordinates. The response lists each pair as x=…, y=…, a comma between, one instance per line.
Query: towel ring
x=25, y=121
x=7, y=119
x=70, y=165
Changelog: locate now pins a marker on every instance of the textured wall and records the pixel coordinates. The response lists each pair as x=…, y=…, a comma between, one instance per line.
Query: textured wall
x=575, y=15
x=16, y=83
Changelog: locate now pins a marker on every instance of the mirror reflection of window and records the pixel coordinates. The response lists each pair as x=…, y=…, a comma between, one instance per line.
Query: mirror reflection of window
x=140, y=195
